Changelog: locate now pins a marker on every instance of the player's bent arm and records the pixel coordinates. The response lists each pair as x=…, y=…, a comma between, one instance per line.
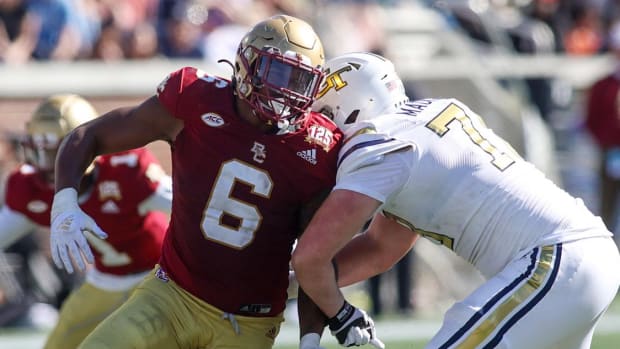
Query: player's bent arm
x=311, y=318
x=13, y=226
x=310, y=208
x=118, y=130
x=375, y=251
x=339, y=218
x=160, y=200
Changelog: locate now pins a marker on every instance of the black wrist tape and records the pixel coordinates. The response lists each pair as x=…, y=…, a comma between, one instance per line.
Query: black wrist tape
x=343, y=315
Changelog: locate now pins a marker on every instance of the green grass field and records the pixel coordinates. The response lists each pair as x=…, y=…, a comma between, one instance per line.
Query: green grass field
x=607, y=335
x=599, y=342
x=397, y=332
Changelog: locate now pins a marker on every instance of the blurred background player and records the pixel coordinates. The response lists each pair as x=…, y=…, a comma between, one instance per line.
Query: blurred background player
x=126, y=193
x=31, y=288
x=602, y=120
x=249, y=161
x=432, y=168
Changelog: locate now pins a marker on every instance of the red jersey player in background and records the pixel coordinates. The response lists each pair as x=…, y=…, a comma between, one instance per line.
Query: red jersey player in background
x=249, y=161
x=127, y=194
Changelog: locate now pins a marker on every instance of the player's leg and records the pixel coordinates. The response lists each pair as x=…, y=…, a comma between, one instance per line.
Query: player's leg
x=148, y=319
x=84, y=309
x=537, y=301
x=587, y=283
x=205, y=326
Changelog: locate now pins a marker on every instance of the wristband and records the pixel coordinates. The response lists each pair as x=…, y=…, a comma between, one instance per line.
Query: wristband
x=343, y=315
x=65, y=199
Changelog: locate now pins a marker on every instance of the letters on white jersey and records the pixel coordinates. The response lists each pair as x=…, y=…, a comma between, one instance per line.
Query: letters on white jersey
x=466, y=188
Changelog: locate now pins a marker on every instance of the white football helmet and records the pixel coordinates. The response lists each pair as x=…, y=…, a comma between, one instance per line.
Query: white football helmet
x=359, y=86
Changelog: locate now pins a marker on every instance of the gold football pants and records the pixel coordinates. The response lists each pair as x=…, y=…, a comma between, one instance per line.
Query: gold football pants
x=161, y=315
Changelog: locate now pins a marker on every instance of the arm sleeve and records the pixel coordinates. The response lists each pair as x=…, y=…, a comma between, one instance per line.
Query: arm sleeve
x=381, y=176
x=160, y=200
x=170, y=91
x=13, y=226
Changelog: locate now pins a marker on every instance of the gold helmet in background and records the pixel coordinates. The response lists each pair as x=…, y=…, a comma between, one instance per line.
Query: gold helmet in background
x=53, y=119
x=278, y=69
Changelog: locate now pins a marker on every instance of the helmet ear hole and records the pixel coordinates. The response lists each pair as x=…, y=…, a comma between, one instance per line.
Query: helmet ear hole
x=352, y=117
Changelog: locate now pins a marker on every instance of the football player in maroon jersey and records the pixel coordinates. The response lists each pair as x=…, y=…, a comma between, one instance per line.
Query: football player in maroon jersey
x=249, y=163
x=127, y=194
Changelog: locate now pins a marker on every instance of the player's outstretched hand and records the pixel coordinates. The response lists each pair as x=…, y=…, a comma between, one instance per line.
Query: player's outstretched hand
x=68, y=226
x=353, y=327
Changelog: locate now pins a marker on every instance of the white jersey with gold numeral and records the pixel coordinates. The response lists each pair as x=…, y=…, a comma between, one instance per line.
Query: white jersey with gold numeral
x=438, y=169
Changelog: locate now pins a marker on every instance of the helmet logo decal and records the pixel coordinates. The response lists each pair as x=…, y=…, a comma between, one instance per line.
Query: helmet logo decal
x=212, y=119
x=335, y=79
x=321, y=136
x=260, y=154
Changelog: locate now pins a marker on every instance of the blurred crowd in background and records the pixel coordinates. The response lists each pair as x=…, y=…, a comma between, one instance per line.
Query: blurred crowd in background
x=210, y=30
x=112, y=30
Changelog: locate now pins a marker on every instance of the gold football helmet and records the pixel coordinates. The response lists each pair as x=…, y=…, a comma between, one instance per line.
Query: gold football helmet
x=53, y=119
x=278, y=69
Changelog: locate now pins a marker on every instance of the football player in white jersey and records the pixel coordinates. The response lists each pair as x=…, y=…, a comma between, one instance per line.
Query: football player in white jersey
x=432, y=168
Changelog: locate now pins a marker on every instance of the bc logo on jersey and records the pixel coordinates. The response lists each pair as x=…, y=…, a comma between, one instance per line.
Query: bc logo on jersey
x=260, y=154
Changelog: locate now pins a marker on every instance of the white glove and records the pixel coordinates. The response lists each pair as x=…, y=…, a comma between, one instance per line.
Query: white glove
x=310, y=341
x=69, y=223
x=353, y=327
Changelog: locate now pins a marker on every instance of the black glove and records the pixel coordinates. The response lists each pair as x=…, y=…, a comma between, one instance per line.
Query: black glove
x=353, y=327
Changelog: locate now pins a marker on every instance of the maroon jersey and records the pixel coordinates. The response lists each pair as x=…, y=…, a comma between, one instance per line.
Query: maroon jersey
x=237, y=195
x=603, y=111
x=121, y=182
